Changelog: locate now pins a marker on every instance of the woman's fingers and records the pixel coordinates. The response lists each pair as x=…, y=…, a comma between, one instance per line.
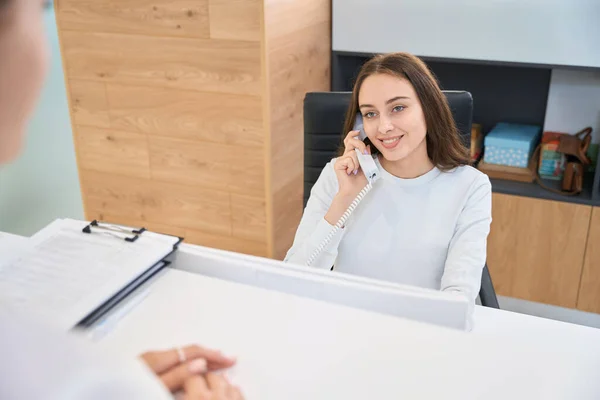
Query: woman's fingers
x=352, y=154
x=354, y=157
x=352, y=142
x=161, y=361
x=217, y=384
x=175, y=378
x=236, y=394
x=211, y=387
x=346, y=163
x=196, y=388
x=214, y=358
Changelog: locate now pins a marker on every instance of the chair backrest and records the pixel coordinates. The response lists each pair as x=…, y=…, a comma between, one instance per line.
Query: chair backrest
x=324, y=114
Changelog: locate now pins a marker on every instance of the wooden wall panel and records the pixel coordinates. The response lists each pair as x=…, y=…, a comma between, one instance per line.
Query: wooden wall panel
x=187, y=114
x=185, y=18
x=288, y=17
x=113, y=152
x=536, y=248
x=221, y=66
x=235, y=19
x=298, y=47
x=159, y=202
x=200, y=116
x=287, y=215
x=229, y=243
x=212, y=166
x=89, y=104
x=589, y=290
x=249, y=217
x=194, y=236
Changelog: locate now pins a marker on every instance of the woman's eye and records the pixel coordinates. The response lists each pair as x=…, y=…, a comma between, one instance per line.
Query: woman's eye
x=398, y=108
x=370, y=114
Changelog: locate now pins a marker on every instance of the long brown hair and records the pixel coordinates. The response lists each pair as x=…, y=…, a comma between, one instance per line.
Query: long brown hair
x=444, y=145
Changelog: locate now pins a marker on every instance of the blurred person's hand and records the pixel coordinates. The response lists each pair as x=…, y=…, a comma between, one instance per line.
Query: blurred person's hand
x=176, y=366
x=212, y=386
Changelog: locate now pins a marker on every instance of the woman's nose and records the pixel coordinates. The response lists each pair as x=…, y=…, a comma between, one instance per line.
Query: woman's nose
x=385, y=125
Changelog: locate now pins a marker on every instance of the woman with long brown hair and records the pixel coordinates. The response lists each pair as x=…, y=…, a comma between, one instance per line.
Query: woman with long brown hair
x=426, y=220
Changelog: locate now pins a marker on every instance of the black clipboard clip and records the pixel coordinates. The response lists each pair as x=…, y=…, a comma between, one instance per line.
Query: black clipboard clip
x=131, y=235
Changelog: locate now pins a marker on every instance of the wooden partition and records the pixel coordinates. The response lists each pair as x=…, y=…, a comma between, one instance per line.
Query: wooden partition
x=536, y=248
x=187, y=114
x=589, y=287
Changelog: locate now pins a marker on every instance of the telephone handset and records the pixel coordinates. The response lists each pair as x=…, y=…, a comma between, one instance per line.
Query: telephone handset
x=367, y=164
x=369, y=168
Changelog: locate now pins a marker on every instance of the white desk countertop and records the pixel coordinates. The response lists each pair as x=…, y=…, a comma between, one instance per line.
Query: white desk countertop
x=291, y=347
x=535, y=330
x=8, y=241
x=11, y=246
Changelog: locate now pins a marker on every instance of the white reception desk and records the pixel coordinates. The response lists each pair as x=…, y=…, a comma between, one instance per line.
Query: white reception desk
x=291, y=346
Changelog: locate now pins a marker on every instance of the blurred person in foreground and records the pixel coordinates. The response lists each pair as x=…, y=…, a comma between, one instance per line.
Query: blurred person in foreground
x=38, y=362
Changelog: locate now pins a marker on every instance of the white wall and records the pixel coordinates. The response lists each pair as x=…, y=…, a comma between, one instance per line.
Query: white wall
x=574, y=101
x=43, y=183
x=556, y=32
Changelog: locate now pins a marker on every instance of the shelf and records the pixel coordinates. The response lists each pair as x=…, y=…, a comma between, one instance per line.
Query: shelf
x=502, y=92
x=428, y=59
x=536, y=191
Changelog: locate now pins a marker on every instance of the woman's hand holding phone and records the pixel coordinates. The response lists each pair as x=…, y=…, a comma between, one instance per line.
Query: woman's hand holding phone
x=351, y=179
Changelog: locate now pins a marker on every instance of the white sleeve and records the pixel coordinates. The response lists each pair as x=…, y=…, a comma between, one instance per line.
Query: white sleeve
x=313, y=228
x=40, y=361
x=467, y=251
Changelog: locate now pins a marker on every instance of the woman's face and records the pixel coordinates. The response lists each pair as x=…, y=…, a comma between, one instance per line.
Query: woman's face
x=392, y=116
x=23, y=64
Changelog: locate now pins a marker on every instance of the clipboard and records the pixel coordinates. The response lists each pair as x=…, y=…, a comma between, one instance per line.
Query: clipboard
x=77, y=271
x=93, y=317
x=130, y=235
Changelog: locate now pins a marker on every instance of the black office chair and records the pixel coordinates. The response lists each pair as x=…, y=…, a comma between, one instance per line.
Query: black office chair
x=324, y=114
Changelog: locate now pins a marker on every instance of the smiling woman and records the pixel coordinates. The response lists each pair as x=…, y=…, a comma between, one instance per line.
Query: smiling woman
x=414, y=103
x=426, y=221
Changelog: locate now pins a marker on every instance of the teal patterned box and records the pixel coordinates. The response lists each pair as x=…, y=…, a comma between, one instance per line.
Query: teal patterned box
x=511, y=144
